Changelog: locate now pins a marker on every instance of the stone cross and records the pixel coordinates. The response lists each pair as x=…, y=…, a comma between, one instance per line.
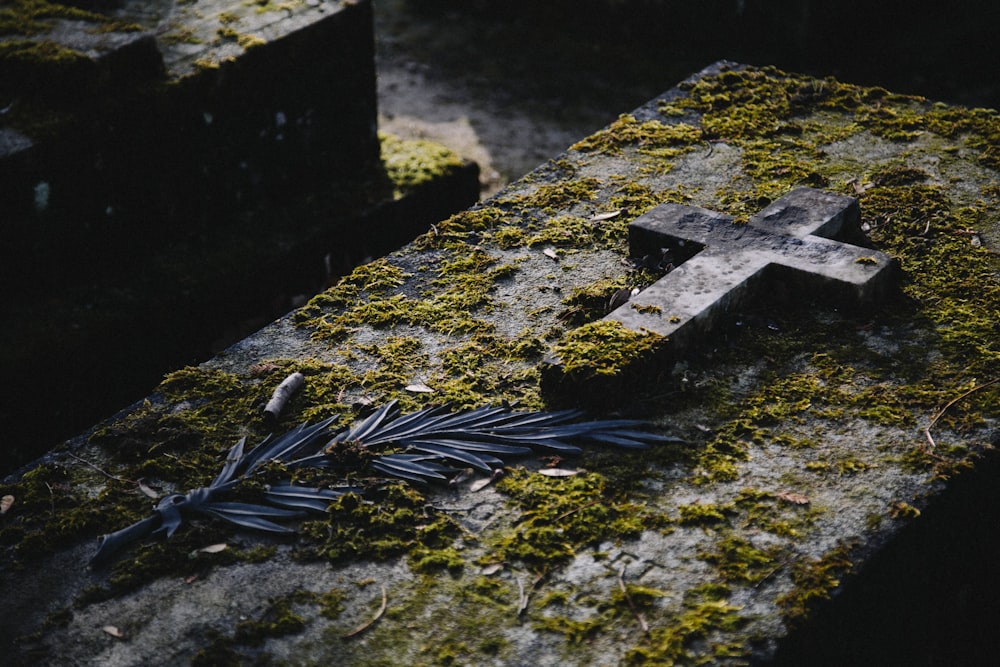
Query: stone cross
x=797, y=243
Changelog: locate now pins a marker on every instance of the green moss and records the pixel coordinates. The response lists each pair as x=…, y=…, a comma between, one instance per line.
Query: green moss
x=490, y=366
x=509, y=236
x=688, y=636
x=460, y=286
x=600, y=365
x=850, y=466
x=777, y=122
x=278, y=620
x=332, y=603
x=722, y=454
x=398, y=521
x=901, y=510
x=553, y=197
x=461, y=226
x=398, y=354
x=263, y=6
x=206, y=64
x=55, y=509
x=177, y=557
x=564, y=231
x=427, y=560
x=593, y=301
x=814, y=580
x=32, y=17
x=245, y=40
x=790, y=517
x=575, y=632
x=652, y=139
x=41, y=52
x=181, y=36
x=561, y=515
x=412, y=163
x=738, y=561
x=605, y=348
x=377, y=278
x=703, y=514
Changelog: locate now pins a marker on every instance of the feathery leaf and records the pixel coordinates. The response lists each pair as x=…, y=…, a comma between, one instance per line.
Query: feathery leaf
x=433, y=441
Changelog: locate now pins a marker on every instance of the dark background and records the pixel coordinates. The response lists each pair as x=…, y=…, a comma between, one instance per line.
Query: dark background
x=632, y=50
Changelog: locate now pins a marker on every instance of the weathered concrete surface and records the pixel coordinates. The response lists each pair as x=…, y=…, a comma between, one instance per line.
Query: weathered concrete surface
x=815, y=435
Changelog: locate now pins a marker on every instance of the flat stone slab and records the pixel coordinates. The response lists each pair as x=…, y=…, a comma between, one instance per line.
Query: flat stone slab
x=139, y=40
x=815, y=449
x=792, y=244
x=96, y=101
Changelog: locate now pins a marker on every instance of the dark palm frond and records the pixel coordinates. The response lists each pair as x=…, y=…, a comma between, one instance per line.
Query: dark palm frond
x=304, y=497
x=251, y=516
x=396, y=465
x=433, y=445
x=169, y=513
x=287, y=446
x=479, y=438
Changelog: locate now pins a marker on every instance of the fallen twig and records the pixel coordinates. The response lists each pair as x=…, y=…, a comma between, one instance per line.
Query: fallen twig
x=940, y=413
x=771, y=573
x=282, y=393
x=367, y=624
x=103, y=472
x=628, y=598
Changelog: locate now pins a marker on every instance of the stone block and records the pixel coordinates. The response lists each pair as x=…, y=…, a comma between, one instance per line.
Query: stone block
x=168, y=170
x=129, y=108
x=824, y=447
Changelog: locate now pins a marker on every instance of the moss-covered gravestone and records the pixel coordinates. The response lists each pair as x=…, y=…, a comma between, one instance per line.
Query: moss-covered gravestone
x=819, y=434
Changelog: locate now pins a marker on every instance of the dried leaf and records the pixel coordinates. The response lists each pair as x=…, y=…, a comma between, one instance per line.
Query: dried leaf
x=480, y=484
x=558, y=472
x=522, y=597
x=551, y=253
x=213, y=548
x=606, y=216
x=420, y=388
x=619, y=298
x=5, y=503
x=148, y=492
x=794, y=498
x=492, y=568
x=114, y=631
x=461, y=477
